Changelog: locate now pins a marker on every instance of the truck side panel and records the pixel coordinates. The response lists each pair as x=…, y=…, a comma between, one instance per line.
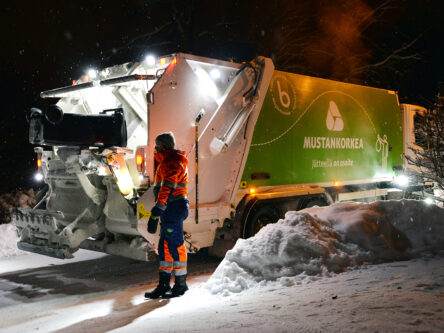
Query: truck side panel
x=313, y=130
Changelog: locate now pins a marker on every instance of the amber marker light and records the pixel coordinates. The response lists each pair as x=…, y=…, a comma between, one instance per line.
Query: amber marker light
x=252, y=190
x=336, y=183
x=140, y=159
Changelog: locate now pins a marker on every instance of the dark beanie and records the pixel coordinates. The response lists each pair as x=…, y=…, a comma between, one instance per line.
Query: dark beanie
x=166, y=140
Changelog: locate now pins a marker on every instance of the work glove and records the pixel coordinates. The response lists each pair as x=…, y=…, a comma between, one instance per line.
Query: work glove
x=154, y=219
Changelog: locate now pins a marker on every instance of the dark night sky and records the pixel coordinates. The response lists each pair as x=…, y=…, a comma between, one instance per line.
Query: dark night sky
x=48, y=43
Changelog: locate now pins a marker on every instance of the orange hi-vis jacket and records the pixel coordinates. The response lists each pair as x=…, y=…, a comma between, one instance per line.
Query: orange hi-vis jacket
x=171, y=177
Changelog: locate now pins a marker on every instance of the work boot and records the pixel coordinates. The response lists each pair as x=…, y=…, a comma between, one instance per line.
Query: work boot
x=162, y=287
x=179, y=288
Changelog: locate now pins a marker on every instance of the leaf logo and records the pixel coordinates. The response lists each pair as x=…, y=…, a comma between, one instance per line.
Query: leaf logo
x=334, y=119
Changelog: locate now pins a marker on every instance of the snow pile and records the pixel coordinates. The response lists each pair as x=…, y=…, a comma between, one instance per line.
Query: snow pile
x=8, y=241
x=320, y=240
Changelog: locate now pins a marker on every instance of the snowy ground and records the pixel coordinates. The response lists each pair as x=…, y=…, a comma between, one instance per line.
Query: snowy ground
x=346, y=268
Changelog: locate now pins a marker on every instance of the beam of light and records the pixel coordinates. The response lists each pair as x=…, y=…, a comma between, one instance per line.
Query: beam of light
x=206, y=84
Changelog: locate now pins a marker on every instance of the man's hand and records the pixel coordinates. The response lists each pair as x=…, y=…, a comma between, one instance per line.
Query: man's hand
x=154, y=219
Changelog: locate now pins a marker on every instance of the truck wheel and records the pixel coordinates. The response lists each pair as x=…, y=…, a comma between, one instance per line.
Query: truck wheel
x=315, y=202
x=263, y=216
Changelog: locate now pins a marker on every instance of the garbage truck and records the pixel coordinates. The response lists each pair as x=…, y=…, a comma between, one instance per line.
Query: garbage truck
x=259, y=142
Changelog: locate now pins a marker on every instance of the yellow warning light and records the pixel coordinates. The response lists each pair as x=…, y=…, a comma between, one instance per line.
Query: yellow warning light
x=252, y=190
x=162, y=61
x=336, y=183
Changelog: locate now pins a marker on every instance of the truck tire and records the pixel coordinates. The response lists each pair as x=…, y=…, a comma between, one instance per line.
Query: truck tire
x=264, y=215
x=314, y=202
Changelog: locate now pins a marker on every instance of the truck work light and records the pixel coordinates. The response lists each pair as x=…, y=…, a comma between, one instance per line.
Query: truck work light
x=401, y=180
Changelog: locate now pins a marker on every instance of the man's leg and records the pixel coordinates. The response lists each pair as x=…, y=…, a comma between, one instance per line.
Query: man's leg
x=179, y=253
x=165, y=269
x=174, y=234
x=180, y=272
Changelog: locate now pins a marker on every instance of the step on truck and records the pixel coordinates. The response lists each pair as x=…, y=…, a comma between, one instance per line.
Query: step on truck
x=259, y=142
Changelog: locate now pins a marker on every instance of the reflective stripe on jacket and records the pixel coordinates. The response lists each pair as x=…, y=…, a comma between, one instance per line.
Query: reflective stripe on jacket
x=171, y=177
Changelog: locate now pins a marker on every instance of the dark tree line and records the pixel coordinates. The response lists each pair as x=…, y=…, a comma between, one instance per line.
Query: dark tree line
x=428, y=156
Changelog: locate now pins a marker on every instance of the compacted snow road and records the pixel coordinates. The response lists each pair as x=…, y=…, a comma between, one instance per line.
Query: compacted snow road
x=76, y=290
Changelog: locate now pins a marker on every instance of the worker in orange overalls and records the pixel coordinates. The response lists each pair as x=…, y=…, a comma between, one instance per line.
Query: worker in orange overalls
x=170, y=190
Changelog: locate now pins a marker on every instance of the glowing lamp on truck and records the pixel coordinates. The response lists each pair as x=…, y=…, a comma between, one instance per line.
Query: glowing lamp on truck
x=39, y=175
x=215, y=73
x=428, y=201
x=92, y=73
x=401, y=180
x=150, y=60
x=119, y=169
x=140, y=159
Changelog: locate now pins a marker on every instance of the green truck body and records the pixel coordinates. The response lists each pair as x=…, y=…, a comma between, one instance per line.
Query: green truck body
x=318, y=131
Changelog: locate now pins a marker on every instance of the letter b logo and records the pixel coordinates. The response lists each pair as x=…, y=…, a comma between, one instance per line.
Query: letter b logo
x=283, y=94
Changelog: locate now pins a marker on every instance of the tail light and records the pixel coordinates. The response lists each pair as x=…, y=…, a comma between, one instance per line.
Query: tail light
x=168, y=61
x=140, y=159
x=38, y=176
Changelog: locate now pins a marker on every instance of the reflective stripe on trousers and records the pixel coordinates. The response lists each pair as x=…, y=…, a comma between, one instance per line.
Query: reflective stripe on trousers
x=172, y=259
